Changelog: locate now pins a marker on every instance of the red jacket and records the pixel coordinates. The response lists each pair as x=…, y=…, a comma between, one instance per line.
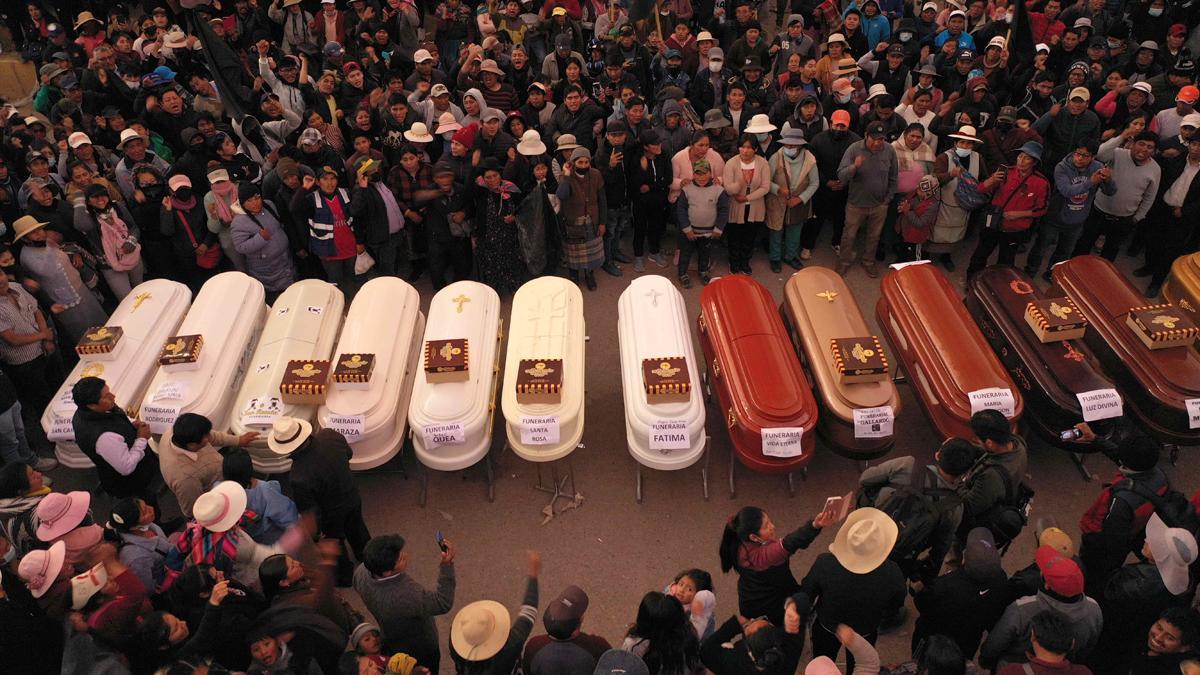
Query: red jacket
x=1032, y=196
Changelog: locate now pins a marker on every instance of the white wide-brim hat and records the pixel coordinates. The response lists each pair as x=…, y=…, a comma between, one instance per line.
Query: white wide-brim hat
x=1174, y=550
x=760, y=124
x=287, y=433
x=220, y=509
x=531, y=144
x=480, y=630
x=419, y=133
x=865, y=540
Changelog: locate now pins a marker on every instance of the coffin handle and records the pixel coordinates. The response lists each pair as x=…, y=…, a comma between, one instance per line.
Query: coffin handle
x=700, y=324
x=716, y=368
x=730, y=418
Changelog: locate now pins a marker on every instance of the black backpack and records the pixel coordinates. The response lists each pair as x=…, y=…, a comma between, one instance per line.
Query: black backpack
x=1007, y=518
x=917, y=514
x=1173, y=507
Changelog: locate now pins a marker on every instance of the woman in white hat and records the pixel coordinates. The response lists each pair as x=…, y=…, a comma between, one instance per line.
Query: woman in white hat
x=215, y=537
x=530, y=171
x=747, y=181
x=951, y=225
x=485, y=640
x=855, y=583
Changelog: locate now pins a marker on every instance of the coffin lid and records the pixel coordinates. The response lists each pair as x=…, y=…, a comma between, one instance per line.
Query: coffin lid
x=954, y=354
x=1058, y=368
x=757, y=359
x=1106, y=296
x=478, y=322
x=148, y=315
x=822, y=308
x=225, y=312
x=653, y=324
x=381, y=321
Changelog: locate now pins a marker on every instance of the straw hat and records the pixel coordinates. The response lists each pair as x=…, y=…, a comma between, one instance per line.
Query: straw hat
x=287, y=434
x=480, y=630
x=531, y=144
x=85, y=17
x=565, y=142
x=760, y=124
x=864, y=540
x=84, y=586
x=419, y=133
x=967, y=133
x=40, y=568
x=24, y=225
x=219, y=509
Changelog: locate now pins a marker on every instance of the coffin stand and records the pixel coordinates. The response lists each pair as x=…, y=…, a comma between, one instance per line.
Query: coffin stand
x=940, y=348
x=752, y=368
x=385, y=321
x=1156, y=385
x=546, y=324
x=464, y=410
x=819, y=307
x=652, y=325
x=302, y=324
x=1049, y=374
x=148, y=316
x=228, y=313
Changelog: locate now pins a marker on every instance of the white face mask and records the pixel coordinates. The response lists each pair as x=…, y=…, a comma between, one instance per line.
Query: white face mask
x=791, y=152
x=905, y=37
x=1008, y=17
x=1114, y=44
x=715, y=66
x=1154, y=11
x=963, y=152
x=133, y=85
x=843, y=98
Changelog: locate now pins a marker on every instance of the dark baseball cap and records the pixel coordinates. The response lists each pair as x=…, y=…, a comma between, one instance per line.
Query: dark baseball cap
x=876, y=130
x=568, y=606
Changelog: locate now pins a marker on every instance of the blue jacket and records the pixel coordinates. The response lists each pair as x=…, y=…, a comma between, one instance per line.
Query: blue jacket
x=275, y=510
x=1074, y=192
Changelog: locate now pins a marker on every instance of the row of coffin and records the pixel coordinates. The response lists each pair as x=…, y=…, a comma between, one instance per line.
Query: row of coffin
x=959, y=357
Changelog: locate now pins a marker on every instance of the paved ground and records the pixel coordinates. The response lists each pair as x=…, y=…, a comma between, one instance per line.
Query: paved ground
x=616, y=549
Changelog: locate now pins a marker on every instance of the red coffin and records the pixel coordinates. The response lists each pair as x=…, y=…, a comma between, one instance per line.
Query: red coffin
x=939, y=346
x=1155, y=384
x=753, y=370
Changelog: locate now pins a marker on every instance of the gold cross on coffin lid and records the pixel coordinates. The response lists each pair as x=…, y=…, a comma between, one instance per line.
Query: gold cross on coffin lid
x=460, y=300
x=139, y=299
x=828, y=295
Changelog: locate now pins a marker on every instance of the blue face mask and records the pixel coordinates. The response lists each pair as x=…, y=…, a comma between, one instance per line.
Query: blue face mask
x=963, y=152
x=791, y=153
x=762, y=138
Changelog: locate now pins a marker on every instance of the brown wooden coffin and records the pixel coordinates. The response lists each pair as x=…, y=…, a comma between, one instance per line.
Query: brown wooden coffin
x=940, y=348
x=1182, y=287
x=753, y=370
x=1156, y=384
x=820, y=308
x=1050, y=374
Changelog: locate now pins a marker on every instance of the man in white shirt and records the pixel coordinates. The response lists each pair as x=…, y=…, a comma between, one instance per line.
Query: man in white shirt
x=1174, y=216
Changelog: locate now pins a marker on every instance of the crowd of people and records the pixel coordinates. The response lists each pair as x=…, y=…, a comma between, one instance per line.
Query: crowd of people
x=500, y=141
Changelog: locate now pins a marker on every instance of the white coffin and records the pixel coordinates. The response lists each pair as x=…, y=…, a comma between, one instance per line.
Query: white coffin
x=385, y=320
x=149, y=315
x=228, y=313
x=652, y=323
x=458, y=415
x=547, y=322
x=302, y=324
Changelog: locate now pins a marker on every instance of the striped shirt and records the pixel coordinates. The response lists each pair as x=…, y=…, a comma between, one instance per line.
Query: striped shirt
x=18, y=313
